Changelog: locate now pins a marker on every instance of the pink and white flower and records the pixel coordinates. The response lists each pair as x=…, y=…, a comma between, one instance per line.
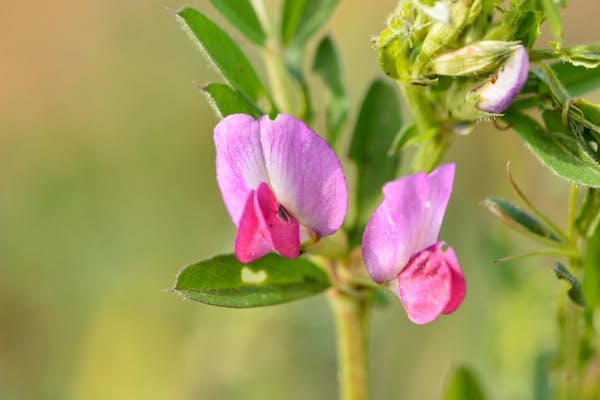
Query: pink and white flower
x=401, y=249
x=281, y=183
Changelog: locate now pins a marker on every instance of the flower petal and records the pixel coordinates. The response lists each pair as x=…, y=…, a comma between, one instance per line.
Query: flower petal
x=249, y=242
x=265, y=226
x=240, y=161
x=383, y=250
x=457, y=284
x=439, y=188
x=304, y=173
x=279, y=228
x=497, y=94
x=424, y=286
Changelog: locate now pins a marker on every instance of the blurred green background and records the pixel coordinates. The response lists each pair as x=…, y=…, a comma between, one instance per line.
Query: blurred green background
x=107, y=188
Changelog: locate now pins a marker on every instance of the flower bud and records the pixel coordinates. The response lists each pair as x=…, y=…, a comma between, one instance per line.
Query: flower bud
x=492, y=94
x=474, y=59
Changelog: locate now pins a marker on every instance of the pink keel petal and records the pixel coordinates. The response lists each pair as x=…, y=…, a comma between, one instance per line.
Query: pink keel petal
x=278, y=227
x=425, y=286
x=304, y=173
x=457, y=286
x=249, y=242
x=265, y=226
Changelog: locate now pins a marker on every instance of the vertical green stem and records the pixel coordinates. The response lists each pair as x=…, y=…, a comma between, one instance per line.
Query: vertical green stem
x=570, y=338
x=571, y=216
x=351, y=314
x=272, y=55
x=431, y=151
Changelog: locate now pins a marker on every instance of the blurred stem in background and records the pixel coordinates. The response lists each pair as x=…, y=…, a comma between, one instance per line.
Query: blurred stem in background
x=351, y=317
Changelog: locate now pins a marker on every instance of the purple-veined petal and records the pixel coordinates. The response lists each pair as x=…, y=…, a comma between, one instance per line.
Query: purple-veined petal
x=265, y=226
x=425, y=287
x=497, y=94
x=304, y=174
x=240, y=161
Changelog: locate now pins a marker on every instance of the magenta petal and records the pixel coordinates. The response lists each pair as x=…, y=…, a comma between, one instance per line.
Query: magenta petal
x=425, y=285
x=457, y=284
x=249, y=242
x=304, y=173
x=240, y=161
x=278, y=227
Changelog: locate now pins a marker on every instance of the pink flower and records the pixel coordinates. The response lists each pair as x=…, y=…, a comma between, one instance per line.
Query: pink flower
x=281, y=183
x=401, y=249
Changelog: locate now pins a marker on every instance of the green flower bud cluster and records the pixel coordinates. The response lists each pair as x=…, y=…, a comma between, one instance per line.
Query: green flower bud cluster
x=457, y=50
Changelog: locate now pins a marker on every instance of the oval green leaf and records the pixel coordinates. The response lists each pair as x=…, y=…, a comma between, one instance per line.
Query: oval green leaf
x=303, y=18
x=380, y=114
x=577, y=80
x=225, y=53
x=562, y=154
x=328, y=66
x=241, y=15
x=518, y=219
x=224, y=281
x=463, y=385
x=227, y=101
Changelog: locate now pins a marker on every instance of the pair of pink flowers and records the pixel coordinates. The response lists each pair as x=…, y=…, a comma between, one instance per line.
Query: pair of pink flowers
x=283, y=185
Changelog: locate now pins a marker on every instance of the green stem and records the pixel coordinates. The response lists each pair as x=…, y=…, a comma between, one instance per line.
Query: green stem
x=571, y=215
x=544, y=252
x=431, y=151
x=351, y=313
x=551, y=54
x=570, y=337
x=535, y=210
x=272, y=55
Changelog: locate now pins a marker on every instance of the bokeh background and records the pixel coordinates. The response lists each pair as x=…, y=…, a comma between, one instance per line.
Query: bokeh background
x=107, y=188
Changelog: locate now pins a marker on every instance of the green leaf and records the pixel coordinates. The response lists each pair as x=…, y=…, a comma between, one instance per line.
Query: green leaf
x=407, y=133
x=575, y=293
x=227, y=101
x=577, y=80
x=303, y=18
x=463, y=385
x=554, y=19
x=378, y=122
x=562, y=154
x=290, y=18
x=591, y=270
x=241, y=15
x=521, y=22
x=588, y=218
x=327, y=65
x=226, y=282
x=225, y=53
x=518, y=219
